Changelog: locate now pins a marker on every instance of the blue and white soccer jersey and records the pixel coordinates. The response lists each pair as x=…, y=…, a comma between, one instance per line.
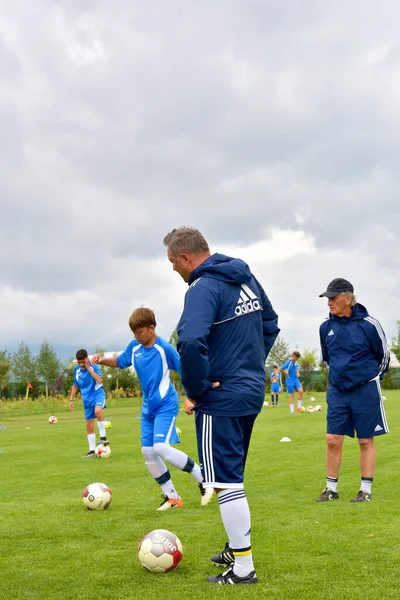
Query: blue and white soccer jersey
x=292, y=381
x=222, y=445
x=160, y=400
x=275, y=385
x=360, y=409
x=92, y=393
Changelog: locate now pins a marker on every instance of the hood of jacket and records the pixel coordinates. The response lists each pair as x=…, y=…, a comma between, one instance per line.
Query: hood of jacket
x=224, y=268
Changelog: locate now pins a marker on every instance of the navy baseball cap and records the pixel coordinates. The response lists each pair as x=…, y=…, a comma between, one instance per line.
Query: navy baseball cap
x=336, y=287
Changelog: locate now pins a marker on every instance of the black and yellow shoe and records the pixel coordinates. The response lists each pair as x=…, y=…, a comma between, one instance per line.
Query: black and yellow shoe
x=224, y=558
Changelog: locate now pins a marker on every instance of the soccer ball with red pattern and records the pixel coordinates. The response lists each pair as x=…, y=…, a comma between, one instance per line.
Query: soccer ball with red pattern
x=97, y=496
x=52, y=420
x=102, y=451
x=160, y=551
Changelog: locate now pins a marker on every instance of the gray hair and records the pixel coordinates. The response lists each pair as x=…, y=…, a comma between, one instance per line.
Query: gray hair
x=186, y=240
x=353, y=298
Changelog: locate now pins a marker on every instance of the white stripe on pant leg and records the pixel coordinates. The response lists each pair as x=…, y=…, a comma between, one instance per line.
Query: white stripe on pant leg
x=203, y=444
x=382, y=407
x=211, y=453
x=170, y=430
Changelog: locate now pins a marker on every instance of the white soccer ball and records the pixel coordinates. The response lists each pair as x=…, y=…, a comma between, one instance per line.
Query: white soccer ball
x=310, y=409
x=383, y=397
x=160, y=551
x=52, y=420
x=102, y=451
x=318, y=408
x=266, y=404
x=312, y=399
x=97, y=496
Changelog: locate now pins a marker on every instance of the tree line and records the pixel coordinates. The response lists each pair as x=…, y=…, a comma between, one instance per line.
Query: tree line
x=49, y=375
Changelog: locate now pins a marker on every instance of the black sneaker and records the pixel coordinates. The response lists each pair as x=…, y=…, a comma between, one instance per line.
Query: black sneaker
x=224, y=558
x=229, y=578
x=89, y=454
x=327, y=495
x=104, y=441
x=362, y=497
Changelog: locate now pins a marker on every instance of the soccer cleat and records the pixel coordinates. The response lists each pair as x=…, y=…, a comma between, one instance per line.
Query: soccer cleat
x=206, y=494
x=168, y=503
x=224, y=558
x=362, y=497
x=229, y=578
x=327, y=495
x=89, y=454
x=104, y=441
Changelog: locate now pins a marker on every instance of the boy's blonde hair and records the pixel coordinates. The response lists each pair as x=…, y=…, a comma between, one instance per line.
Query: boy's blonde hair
x=142, y=317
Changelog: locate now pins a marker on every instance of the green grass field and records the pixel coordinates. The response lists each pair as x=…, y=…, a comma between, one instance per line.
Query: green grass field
x=53, y=548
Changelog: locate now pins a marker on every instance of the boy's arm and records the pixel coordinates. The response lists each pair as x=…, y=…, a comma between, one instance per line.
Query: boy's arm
x=173, y=360
x=74, y=389
x=107, y=362
x=96, y=376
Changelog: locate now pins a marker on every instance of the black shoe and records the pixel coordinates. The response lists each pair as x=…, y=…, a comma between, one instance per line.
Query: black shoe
x=104, y=441
x=327, y=495
x=229, y=578
x=224, y=558
x=362, y=497
x=89, y=454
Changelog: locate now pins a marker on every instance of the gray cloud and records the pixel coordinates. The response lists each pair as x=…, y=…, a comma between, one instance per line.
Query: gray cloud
x=120, y=122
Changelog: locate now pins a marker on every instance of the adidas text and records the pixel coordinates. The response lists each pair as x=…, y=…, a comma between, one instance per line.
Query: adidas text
x=247, y=307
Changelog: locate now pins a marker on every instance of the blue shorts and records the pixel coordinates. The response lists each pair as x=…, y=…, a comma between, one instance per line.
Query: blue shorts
x=159, y=429
x=360, y=409
x=275, y=388
x=292, y=385
x=89, y=410
x=222, y=445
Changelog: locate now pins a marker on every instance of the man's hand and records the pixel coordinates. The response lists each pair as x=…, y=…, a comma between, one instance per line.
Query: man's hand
x=71, y=405
x=188, y=407
x=96, y=359
x=88, y=364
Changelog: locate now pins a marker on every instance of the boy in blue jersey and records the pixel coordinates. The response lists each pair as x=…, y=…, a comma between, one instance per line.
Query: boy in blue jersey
x=89, y=380
x=275, y=378
x=292, y=372
x=153, y=358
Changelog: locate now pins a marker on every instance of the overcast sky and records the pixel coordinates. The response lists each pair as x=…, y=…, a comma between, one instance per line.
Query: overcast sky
x=273, y=127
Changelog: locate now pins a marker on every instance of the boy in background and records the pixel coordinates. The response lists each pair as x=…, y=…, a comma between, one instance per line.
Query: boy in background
x=292, y=372
x=89, y=380
x=275, y=378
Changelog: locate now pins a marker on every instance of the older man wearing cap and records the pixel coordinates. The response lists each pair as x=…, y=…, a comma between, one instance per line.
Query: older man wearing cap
x=354, y=348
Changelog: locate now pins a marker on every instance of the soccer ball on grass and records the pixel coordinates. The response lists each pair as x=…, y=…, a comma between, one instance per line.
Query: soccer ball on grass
x=52, y=420
x=108, y=424
x=97, y=496
x=310, y=409
x=318, y=408
x=102, y=451
x=160, y=551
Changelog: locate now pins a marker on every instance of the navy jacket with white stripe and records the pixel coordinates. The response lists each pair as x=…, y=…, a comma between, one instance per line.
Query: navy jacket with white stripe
x=354, y=348
x=225, y=333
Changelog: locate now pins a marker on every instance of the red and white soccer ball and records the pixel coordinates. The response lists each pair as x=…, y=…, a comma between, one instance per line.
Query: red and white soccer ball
x=310, y=409
x=52, y=420
x=318, y=408
x=160, y=551
x=102, y=451
x=97, y=496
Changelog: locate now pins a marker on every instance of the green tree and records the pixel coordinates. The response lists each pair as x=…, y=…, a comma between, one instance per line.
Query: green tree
x=5, y=366
x=308, y=362
x=395, y=345
x=24, y=367
x=280, y=352
x=48, y=365
x=175, y=377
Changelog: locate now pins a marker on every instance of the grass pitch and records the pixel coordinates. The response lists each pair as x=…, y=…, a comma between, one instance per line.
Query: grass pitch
x=53, y=548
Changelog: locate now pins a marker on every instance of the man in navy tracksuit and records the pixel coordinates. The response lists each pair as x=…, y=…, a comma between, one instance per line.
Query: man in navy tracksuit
x=354, y=348
x=225, y=333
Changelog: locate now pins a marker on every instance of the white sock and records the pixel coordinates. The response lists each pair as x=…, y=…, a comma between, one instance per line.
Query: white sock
x=291, y=406
x=299, y=403
x=159, y=471
x=332, y=483
x=235, y=515
x=92, y=441
x=178, y=459
x=102, y=428
x=366, y=484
